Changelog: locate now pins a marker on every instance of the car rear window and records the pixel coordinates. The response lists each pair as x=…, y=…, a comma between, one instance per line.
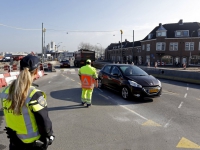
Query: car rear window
x=132, y=71
x=65, y=61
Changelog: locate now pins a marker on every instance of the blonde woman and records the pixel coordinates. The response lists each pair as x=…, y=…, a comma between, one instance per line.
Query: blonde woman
x=28, y=125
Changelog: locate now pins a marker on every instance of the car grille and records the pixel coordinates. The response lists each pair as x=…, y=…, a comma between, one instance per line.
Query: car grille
x=151, y=90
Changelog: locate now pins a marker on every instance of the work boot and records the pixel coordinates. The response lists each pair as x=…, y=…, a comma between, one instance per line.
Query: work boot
x=83, y=104
x=89, y=105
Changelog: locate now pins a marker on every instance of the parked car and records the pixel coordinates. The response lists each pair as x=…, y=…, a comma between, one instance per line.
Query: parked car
x=64, y=63
x=130, y=81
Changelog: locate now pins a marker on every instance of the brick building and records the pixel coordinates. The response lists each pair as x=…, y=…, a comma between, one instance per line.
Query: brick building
x=168, y=44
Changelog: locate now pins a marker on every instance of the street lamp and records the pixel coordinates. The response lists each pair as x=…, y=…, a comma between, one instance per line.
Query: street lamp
x=57, y=48
x=190, y=45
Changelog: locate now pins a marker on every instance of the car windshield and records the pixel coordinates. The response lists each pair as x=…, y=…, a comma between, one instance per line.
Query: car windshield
x=132, y=71
x=65, y=61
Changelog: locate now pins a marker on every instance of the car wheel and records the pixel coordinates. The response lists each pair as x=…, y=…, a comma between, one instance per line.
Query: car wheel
x=100, y=85
x=125, y=93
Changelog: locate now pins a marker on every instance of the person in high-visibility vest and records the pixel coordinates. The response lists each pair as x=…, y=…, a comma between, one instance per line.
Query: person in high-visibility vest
x=28, y=125
x=89, y=80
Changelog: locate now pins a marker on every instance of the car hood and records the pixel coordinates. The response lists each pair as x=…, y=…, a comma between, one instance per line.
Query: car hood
x=147, y=80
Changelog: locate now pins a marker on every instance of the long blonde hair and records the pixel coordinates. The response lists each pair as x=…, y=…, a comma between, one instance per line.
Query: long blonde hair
x=19, y=89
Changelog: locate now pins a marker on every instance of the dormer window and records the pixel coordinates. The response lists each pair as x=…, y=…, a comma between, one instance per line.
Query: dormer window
x=182, y=33
x=150, y=36
x=160, y=33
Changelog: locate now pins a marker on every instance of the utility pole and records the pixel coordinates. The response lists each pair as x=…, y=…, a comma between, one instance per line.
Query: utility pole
x=121, y=44
x=45, y=55
x=133, y=46
x=42, y=46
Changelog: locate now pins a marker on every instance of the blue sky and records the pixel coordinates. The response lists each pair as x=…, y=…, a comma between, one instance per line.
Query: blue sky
x=84, y=16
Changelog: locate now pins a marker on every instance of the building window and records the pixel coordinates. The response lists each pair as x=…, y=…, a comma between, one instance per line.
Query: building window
x=173, y=46
x=195, y=60
x=167, y=60
x=148, y=47
x=199, y=45
x=150, y=36
x=160, y=46
x=189, y=46
x=143, y=47
x=160, y=33
x=182, y=33
x=140, y=60
x=148, y=58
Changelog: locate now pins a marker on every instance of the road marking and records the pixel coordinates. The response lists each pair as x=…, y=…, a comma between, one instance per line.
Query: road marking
x=72, y=80
x=180, y=105
x=49, y=81
x=100, y=89
x=104, y=96
x=148, y=122
x=167, y=124
x=79, y=83
x=185, y=95
x=198, y=99
x=151, y=123
x=187, y=88
x=185, y=143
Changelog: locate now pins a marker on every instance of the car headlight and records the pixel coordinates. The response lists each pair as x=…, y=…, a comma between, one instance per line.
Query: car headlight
x=159, y=83
x=132, y=83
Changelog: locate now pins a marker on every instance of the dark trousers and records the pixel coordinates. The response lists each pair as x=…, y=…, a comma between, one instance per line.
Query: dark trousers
x=12, y=146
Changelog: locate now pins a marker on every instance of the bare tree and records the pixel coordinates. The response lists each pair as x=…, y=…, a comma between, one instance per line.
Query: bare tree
x=98, y=50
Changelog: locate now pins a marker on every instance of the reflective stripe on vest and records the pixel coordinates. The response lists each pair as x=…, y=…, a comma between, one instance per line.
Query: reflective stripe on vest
x=26, y=117
x=87, y=81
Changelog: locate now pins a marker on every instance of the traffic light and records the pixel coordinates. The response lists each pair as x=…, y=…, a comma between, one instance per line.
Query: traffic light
x=121, y=31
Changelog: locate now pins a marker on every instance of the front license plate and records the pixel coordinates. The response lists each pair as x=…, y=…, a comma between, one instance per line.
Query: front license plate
x=153, y=90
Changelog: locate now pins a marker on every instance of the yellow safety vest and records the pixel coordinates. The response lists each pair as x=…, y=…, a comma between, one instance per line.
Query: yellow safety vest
x=88, y=74
x=25, y=124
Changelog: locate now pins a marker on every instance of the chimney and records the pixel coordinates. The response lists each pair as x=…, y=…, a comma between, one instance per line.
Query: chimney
x=160, y=24
x=180, y=22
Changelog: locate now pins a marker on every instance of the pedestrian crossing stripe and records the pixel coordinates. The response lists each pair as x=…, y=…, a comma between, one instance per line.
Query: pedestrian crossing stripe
x=185, y=143
x=151, y=123
x=85, y=81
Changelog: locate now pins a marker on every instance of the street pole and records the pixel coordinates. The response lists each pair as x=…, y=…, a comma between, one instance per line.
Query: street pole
x=42, y=46
x=121, y=44
x=133, y=46
x=45, y=55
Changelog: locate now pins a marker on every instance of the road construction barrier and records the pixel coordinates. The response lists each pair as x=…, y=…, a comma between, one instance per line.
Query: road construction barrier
x=14, y=67
x=6, y=67
x=184, y=66
x=2, y=82
x=50, y=67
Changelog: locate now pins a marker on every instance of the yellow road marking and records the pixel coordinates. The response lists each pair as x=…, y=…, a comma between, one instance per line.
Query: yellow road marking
x=185, y=143
x=151, y=123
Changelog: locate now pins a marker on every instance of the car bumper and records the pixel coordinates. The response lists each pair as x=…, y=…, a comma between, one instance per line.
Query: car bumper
x=64, y=65
x=145, y=92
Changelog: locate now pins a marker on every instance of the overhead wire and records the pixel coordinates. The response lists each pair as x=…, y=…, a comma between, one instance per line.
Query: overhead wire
x=18, y=28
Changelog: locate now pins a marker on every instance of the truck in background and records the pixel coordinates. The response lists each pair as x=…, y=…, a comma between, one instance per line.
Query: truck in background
x=82, y=55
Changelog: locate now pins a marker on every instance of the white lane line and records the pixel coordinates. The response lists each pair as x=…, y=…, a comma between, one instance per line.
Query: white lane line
x=49, y=81
x=72, y=80
x=180, y=105
x=79, y=83
x=167, y=124
x=131, y=111
x=100, y=90
x=187, y=88
x=104, y=96
x=185, y=95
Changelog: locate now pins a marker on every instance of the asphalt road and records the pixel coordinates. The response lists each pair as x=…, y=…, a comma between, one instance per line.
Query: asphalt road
x=169, y=122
